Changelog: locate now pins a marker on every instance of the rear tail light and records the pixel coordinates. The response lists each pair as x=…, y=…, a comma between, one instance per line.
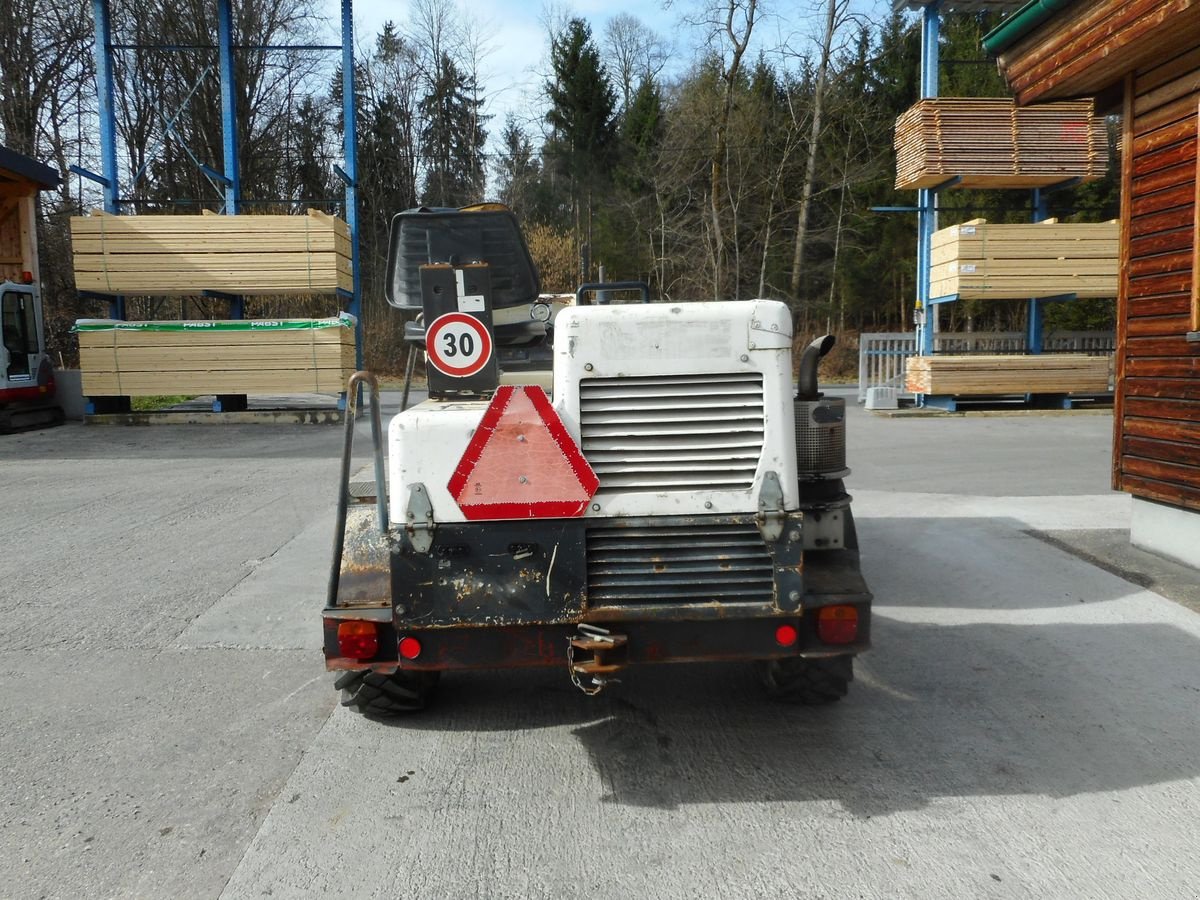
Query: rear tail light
x=837, y=624
x=410, y=647
x=786, y=635
x=358, y=640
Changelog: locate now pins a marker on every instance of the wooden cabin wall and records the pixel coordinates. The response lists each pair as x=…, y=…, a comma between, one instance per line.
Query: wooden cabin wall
x=1093, y=42
x=1157, y=438
x=18, y=230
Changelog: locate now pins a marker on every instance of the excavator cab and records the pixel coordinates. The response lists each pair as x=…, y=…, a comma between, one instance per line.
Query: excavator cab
x=20, y=334
x=26, y=375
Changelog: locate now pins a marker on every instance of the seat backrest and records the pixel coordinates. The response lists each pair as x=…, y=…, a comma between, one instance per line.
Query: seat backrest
x=488, y=233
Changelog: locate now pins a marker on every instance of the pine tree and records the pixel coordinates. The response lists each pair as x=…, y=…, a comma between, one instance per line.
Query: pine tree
x=581, y=116
x=453, y=137
x=516, y=168
x=641, y=133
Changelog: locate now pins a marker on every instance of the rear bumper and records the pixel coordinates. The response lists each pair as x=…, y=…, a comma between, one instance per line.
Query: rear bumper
x=657, y=641
x=678, y=589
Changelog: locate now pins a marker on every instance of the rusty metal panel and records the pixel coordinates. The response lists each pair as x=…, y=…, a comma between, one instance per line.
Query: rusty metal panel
x=493, y=573
x=365, y=578
x=693, y=560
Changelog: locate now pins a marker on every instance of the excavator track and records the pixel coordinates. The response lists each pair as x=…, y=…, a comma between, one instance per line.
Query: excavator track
x=14, y=420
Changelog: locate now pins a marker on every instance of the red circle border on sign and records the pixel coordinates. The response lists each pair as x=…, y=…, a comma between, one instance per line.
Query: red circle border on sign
x=436, y=358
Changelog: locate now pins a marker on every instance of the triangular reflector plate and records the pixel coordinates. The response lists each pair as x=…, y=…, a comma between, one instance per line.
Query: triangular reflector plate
x=522, y=463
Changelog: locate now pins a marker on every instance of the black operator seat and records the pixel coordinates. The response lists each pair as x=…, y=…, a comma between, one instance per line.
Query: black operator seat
x=488, y=233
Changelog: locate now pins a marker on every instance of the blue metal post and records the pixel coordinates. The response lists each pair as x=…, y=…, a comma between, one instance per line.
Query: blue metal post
x=350, y=154
x=233, y=180
x=233, y=186
x=1035, y=319
x=108, y=126
x=930, y=30
x=927, y=199
x=108, y=121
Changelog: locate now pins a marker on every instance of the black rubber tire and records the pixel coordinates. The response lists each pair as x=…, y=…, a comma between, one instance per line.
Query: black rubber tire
x=379, y=696
x=808, y=682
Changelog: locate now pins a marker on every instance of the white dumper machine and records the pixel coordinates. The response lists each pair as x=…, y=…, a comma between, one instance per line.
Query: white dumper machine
x=677, y=497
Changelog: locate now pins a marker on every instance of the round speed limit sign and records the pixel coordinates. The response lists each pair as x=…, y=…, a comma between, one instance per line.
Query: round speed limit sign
x=458, y=344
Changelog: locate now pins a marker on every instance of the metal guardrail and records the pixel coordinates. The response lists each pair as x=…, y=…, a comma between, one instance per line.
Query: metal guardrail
x=882, y=355
x=343, y=504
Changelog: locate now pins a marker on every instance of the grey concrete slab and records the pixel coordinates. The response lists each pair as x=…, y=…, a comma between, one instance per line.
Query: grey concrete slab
x=143, y=774
x=277, y=606
x=124, y=554
x=1003, y=739
x=1024, y=727
x=1111, y=550
x=1029, y=456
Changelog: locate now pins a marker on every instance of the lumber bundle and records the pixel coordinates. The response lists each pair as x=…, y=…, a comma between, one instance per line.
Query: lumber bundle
x=282, y=356
x=991, y=143
x=976, y=260
x=1059, y=373
x=175, y=255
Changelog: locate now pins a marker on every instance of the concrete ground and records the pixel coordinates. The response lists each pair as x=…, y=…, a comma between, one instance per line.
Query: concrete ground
x=1024, y=727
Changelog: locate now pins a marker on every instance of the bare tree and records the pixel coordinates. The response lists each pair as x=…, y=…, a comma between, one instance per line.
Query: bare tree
x=635, y=52
x=45, y=62
x=835, y=15
x=730, y=25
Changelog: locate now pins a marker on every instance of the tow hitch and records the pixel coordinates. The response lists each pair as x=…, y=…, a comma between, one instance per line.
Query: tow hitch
x=591, y=674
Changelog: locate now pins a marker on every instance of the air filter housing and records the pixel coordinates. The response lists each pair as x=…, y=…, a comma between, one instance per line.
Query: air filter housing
x=821, y=437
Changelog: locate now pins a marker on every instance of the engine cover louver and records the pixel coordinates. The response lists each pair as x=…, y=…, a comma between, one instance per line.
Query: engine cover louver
x=670, y=564
x=673, y=432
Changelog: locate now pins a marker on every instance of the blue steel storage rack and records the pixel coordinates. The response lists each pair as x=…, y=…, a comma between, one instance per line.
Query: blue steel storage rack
x=229, y=177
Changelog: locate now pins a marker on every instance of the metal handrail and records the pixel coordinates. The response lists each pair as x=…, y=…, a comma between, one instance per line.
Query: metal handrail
x=614, y=286
x=343, y=505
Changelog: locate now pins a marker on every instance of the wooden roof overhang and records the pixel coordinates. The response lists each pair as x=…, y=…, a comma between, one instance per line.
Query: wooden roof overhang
x=1087, y=46
x=17, y=168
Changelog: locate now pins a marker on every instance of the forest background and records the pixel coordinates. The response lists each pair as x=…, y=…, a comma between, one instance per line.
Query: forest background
x=737, y=165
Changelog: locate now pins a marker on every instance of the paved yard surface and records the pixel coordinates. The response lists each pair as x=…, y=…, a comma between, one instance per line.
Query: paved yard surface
x=1025, y=727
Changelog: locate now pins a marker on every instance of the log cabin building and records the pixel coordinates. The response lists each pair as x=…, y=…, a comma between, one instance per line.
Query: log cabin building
x=1140, y=59
x=21, y=178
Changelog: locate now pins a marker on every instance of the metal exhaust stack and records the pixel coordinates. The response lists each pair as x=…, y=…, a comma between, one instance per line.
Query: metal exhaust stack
x=820, y=421
x=806, y=385
x=821, y=453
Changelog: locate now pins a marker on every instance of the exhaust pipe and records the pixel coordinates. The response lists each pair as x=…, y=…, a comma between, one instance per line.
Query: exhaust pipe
x=806, y=381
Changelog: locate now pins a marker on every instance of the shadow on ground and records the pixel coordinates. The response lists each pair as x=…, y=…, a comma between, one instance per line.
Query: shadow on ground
x=937, y=711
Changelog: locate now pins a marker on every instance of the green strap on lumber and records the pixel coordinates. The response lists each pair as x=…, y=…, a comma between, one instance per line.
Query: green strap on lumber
x=342, y=321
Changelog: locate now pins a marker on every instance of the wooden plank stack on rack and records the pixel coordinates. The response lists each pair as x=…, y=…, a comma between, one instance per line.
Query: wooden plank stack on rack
x=179, y=255
x=1058, y=373
x=990, y=143
x=976, y=260
x=247, y=356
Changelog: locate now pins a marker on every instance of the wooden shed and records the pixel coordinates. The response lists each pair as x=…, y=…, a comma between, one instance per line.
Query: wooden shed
x=1139, y=59
x=20, y=180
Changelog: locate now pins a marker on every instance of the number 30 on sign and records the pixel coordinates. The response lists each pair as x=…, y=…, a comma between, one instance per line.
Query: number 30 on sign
x=458, y=345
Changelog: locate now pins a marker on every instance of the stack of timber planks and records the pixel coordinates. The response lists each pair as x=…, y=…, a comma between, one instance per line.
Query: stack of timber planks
x=991, y=143
x=282, y=356
x=976, y=260
x=985, y=375
x=178, y=255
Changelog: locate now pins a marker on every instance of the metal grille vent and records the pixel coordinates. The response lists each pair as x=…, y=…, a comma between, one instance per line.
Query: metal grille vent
x=669, y=564
x=673, y=432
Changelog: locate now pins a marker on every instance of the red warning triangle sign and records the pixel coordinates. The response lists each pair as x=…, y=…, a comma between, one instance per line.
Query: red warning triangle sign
x=522, y=463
